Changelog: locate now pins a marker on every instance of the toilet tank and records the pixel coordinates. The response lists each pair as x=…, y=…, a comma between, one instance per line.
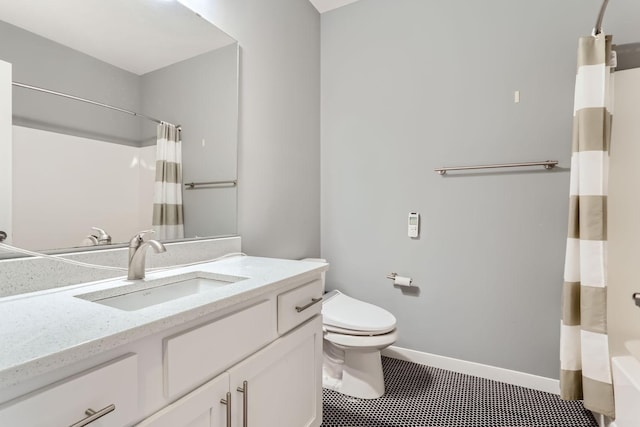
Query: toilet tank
x=626, y=383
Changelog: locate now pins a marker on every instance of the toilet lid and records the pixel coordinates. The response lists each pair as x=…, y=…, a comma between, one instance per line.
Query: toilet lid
x=344, y=312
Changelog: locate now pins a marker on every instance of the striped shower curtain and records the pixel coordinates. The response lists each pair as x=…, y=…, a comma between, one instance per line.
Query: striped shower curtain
x=167, y=198
x=584, y=344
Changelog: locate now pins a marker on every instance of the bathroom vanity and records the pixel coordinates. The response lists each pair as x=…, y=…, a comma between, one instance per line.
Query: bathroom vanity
x=237, y=342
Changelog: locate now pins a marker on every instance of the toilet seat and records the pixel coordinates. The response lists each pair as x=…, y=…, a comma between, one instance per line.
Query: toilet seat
x=345, y=331
x=360, y=341
x=346, y=315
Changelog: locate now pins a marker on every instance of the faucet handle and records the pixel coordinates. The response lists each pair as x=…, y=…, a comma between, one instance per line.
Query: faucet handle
x=139, y=238
x=143, y=232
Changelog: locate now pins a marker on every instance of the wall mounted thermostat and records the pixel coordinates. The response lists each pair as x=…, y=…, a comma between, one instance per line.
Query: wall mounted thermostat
x=414, y=224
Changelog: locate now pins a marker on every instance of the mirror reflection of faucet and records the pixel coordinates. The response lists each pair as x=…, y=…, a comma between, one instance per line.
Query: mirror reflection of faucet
x=102, y=238
x=90, y=240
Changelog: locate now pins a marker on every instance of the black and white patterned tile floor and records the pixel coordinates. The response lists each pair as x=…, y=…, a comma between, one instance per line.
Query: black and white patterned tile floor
x=422, y=396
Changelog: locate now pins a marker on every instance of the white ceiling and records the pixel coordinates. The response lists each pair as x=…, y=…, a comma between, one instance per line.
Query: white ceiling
x=327, y=5
x=136, y=35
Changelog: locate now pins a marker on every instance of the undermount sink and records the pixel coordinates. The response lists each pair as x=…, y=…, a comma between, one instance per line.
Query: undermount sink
x=134, y=297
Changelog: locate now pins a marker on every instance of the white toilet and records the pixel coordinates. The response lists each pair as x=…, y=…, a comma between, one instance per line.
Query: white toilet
x=354, y=334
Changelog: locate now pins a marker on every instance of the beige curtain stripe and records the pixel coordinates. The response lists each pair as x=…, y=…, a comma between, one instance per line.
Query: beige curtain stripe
x=601, y=396
x=571, y=303
x=168, y=172
x=574, y=217
x=164, y=214
x=591, y=130
x=593, y=50
x=168, y=132
x=593, y=309
x=570, y=385
x=587, y=218
x=593, y=217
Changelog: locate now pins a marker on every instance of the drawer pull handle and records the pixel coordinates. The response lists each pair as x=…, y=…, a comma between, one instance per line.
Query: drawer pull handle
x=636, y=298
x=245, y=402
x=304, y=307
x=94, y=415
x=227, y=402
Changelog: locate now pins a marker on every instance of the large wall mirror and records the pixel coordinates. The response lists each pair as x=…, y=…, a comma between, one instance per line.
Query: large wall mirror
x=78, y=165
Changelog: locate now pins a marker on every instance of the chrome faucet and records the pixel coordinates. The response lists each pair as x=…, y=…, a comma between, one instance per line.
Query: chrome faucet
x=137, y=254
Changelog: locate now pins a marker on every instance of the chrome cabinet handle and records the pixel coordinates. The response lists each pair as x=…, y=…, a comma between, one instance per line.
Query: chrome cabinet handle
x=93, y=415
x=304, y=307
x=636, y=298
x=227, y=402
x=245, y=402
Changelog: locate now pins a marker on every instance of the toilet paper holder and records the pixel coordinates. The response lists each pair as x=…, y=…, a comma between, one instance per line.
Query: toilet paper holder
x=400, y=280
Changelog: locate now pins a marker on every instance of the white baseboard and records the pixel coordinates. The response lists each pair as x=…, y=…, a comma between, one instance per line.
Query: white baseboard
x=522, y=379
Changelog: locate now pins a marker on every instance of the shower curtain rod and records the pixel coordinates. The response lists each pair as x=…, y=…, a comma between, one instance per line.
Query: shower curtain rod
x=598, y=28
x=88, y=101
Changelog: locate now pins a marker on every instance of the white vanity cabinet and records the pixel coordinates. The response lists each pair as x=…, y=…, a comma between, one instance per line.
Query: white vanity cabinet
x=279, y=386
x=252, y=361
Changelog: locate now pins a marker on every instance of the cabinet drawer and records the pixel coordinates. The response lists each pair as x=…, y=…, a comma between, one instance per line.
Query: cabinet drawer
x=64, y=403
x=298, y=305
x=193, y=357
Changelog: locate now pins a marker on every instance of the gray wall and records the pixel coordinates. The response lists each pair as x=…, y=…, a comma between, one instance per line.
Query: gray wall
x=201, y=94
x=40, y=62
x=409, y=85
x=279, y=144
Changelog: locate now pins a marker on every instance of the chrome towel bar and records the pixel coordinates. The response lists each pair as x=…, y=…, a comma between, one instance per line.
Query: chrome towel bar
x=192, y=185
x=548, y=164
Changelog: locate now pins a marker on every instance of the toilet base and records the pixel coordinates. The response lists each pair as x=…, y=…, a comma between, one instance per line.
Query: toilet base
x=354, y=372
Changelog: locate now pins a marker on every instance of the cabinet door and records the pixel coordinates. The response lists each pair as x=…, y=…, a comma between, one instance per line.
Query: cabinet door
x=281, y=384
x=200, y=408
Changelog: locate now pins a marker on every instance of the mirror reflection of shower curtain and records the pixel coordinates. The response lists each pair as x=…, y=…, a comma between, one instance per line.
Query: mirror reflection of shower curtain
x=168, y=218
x=584, y=350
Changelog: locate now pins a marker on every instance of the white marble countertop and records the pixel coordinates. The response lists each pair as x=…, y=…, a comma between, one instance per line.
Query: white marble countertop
x=46, y=330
